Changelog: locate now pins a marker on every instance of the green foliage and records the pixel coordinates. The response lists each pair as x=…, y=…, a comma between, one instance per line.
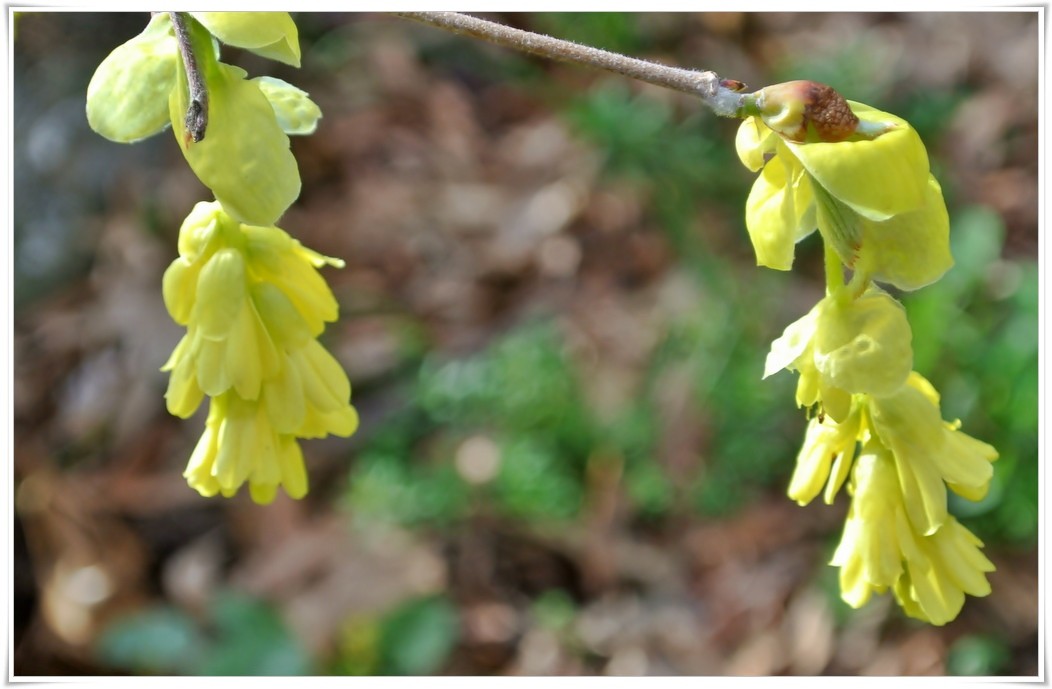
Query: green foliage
x=554, y=610
x=615, y=31
x=160, y=640
x=975, y=335
x=535, y=483
x=681, y=162
x=415, y=637
x=241, y=636
x=524, y=393
x=978, y=655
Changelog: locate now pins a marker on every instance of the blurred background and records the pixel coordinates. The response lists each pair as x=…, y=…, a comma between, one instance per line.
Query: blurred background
x=555, y=329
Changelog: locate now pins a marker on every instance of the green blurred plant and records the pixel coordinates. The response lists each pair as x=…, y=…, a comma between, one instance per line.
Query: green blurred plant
x=414, y=638
x=523, y=393
x=239, y=636
x=681, y=162
x=615, y=31
x=977, y=655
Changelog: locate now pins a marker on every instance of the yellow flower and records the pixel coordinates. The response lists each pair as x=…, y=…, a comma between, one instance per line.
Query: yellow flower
x=241, y=444
x=880, y=549
x=929, y=453
x=845, y=346
x=942, y=568
x=870, y=551
x=244, y=158
x=870, y=193
x=825, y=458
x=253, y=303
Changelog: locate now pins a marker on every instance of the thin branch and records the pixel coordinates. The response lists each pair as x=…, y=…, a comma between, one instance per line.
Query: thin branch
x=722, y=96
x=197, y=111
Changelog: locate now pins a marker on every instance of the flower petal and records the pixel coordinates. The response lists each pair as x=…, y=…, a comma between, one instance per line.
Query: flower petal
x=824, y=443
x=753, y=142
x=775, y=212
x=794, y=341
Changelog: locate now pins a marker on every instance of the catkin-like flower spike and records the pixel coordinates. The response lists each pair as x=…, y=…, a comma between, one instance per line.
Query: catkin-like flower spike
x=253, y=303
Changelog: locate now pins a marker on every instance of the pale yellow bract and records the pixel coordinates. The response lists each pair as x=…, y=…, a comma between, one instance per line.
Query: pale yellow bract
x=244, y=158
x=873, y=199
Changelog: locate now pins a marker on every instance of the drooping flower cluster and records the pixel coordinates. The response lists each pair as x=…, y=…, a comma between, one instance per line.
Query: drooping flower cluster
x=249, y=294
x=860, y=177
x=253, y=304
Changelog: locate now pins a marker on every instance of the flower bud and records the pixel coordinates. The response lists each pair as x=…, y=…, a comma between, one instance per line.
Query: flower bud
x=806, y=111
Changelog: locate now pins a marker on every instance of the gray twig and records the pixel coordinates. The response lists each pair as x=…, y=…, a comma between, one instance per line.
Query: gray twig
x=197, y=111
x=722, y=96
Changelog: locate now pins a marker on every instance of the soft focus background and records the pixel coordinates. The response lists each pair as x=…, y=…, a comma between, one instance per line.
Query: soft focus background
x=555, y=329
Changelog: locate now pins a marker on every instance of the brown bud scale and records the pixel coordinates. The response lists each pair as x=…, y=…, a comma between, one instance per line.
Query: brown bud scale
x=829, y=114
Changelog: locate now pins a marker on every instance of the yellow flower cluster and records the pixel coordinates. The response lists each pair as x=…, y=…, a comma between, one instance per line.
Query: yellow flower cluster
x=253, y=304
x=250, y=296
x=860, y=176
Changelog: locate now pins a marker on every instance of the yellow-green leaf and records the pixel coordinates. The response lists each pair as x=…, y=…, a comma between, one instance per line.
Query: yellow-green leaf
x=270, y=34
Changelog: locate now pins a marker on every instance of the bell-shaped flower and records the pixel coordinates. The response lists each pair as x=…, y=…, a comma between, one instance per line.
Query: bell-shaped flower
x=940, y=569
x=857, y=174
x=930, y=454
x=843, y=347
x=240, y=444
x=880, y=548
x=825, y=458
x=309, y=397
x=870, y=551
